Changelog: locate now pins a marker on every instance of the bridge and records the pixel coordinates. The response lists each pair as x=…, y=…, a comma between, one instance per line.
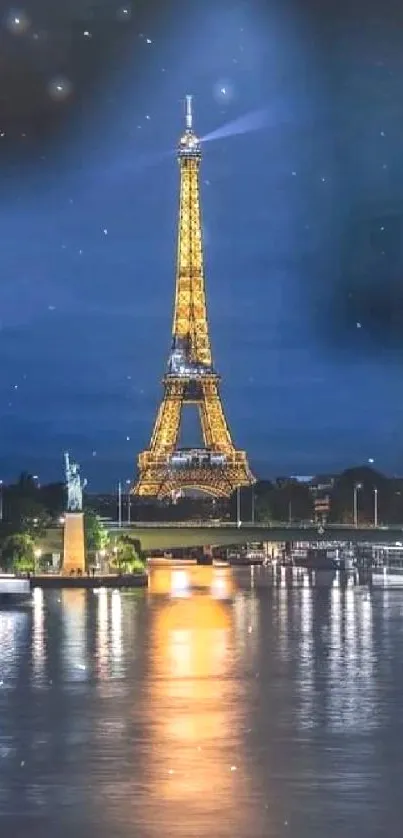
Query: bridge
x=188, y=534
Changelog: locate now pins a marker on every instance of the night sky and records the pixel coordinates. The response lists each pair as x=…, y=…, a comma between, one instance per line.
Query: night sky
x=301, y=104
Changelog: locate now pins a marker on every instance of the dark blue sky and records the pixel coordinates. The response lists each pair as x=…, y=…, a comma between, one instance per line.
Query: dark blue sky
x=303, y=226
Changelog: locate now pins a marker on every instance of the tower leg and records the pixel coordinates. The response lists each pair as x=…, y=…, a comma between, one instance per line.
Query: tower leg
x=73, y=542
x=166, y=428
x=215, y=428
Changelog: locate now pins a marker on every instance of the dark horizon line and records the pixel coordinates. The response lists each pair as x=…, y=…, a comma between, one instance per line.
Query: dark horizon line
x=301, y=478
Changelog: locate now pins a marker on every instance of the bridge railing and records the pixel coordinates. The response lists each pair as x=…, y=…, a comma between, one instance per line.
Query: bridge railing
x=298, y=525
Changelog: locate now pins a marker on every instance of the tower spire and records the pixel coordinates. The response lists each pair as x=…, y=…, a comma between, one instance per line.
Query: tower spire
x=189, y=113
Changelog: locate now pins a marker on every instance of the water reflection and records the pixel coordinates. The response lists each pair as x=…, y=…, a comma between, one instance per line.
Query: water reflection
x=116, y=634
x=216, y=704
x=102, y=650
x=109, y=646
x=74, y=642
x=195, y=756
x=13, y=631
x=38, y=638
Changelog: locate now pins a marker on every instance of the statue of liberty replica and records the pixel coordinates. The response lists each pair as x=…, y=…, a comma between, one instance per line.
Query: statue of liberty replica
x=73, y=542
x=74, y=485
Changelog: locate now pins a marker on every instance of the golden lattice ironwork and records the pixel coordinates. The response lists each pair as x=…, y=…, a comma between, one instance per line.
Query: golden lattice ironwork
x=217, y=468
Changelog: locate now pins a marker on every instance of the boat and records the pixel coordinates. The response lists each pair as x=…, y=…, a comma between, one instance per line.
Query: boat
x=14, y=590
x=317, y=560
x=387, y=577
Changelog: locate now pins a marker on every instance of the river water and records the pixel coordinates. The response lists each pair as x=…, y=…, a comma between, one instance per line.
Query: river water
x=216, y=704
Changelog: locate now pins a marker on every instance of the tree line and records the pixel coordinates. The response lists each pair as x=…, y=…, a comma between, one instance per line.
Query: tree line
x=361, y=495
x=28, y=510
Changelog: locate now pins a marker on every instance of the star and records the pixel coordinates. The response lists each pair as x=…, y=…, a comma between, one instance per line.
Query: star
x=17, y=22
x=59, y=88
x=124, y=13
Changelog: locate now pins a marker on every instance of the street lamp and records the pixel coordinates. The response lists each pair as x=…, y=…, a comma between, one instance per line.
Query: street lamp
x=119, y=504
x=1, y=500
x=238, y=506
x=37, y=556
x=102, y=554
x=355, y=505
x=375, y=507
x=128, y=484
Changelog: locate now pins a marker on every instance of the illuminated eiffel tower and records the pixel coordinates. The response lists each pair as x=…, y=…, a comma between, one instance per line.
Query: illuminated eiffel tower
x=218, y=468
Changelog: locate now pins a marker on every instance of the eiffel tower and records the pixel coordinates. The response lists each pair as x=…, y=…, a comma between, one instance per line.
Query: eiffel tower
x=218, y=468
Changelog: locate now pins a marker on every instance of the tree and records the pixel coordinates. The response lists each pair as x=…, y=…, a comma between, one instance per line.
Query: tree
x=127, y=556
x=263, y=513
x=23, y=509
x=53, y=498
x=18, y=553
x=96, y=534
x=292, y=501
x=32, y=517
x=366, y=480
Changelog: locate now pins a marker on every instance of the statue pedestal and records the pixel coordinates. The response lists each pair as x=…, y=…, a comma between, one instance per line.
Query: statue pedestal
x=73, y=542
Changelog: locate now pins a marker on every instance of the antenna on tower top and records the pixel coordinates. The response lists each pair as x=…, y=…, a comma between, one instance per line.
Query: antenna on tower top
x=189, y=115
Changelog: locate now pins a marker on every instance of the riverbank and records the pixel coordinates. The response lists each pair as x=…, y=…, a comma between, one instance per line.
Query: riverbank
x=129, y=580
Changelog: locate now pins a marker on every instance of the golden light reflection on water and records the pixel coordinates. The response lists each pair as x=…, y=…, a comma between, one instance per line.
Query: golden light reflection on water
x=74, y=644
x=194, y=758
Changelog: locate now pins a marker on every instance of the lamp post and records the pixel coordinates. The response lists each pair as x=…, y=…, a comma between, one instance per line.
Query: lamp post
x=119, y=504
x=238, y=506
x=102, y=554
x=253, y=505
x=37, y=556
x=375, y=508
x=1, y=500
x=355, y=503
x=128, y=484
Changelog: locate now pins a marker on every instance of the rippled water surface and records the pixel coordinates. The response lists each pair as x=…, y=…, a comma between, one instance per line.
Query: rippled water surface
x=213, y=705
